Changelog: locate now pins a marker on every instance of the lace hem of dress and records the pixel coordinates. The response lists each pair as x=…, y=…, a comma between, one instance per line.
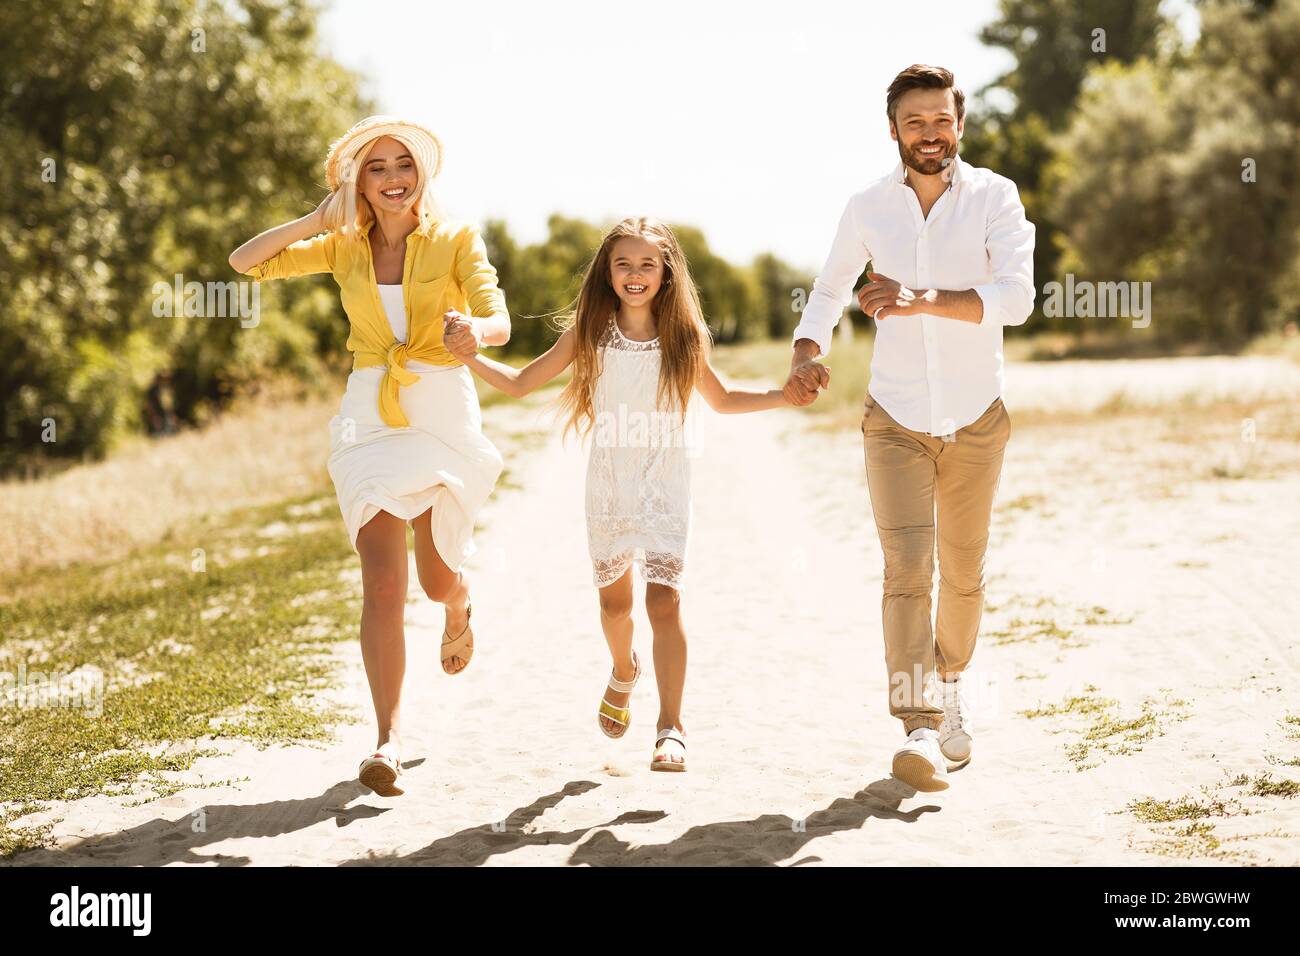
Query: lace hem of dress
x=656, y=567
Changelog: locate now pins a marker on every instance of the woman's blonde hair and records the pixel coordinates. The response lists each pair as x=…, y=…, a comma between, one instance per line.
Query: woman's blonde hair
x=684, y=337
x=349, y=212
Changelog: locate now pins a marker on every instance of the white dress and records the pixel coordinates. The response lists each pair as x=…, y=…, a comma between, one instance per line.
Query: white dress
x=441, y=460
x=638, y=475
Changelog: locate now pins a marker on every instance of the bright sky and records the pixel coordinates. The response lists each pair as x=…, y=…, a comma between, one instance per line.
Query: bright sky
x=753, y=120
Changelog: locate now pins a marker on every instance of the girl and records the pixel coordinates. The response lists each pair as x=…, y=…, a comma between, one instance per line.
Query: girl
x=407, y=445
x=639, y=348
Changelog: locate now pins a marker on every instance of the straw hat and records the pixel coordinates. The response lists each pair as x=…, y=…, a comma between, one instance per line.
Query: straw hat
x=424, y=146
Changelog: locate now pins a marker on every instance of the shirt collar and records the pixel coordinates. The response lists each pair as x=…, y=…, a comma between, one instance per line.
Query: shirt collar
x=957, y=166
x=423, y=231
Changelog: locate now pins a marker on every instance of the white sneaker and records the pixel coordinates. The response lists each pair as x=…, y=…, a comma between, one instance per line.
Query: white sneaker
x=955, y=732
x=919, y=763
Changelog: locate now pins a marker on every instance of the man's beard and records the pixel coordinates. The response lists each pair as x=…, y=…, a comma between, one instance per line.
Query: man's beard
x=928, y=165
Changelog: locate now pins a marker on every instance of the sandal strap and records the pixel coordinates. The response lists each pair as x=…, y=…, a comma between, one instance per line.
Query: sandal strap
x=625, y=686
x=386, y=755
x=451, y=646
x=670, y=733
x=620, y=715
x=469, y=613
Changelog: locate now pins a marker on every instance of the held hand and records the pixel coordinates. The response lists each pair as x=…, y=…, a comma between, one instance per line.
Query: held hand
x=805, y=381
x=460, y=334
x=883, y=297
x=796, y=394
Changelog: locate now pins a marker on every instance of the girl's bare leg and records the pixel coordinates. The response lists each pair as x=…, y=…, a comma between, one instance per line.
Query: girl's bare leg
x=382, y=545
x=663, y=607
x=443, y=585
x=616, y=622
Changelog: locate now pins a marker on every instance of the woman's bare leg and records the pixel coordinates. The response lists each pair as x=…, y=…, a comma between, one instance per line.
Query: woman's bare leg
x=663, y=607
x=443, y=585
x=616, y=622
x=381, y=542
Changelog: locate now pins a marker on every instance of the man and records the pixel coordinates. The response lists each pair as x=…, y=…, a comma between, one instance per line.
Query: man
x=952, y=263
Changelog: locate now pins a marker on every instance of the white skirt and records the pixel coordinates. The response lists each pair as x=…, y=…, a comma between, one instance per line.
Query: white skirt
x=441, y=461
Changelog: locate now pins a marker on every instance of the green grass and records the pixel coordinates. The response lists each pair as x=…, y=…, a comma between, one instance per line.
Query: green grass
x=1198, y=838
x=1184, y=808
x=1291, y=724
x=1189, y=842
x=1265, y=785
x=1028, y=629
x=223, y=629
x=1085, y=704
x=1097, y=615
x=16, y=839
x=1024, y=503
x=1104, y=730
x=233, y=641
x=1020, y=631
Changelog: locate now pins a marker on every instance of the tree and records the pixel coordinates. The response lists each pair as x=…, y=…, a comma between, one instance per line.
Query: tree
x=1054, y=44
x=145, y=138
x=775, y=283
x=1181, y=174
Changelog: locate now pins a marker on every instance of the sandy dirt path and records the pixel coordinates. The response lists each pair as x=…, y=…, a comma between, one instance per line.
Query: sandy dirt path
x=1140, y=566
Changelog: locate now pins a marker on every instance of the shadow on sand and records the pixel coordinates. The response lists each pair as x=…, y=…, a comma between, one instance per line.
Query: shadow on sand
x=768, y=840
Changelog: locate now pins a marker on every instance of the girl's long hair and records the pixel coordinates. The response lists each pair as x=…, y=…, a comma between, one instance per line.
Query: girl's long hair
x=683, y=335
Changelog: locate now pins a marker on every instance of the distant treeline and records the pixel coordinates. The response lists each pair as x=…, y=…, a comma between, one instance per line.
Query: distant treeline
x=144, y=138
x=1142, y=158
x=740, y=302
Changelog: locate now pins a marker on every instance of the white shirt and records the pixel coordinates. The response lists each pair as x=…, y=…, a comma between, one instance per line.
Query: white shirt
x=394, y=308
x=932, y=374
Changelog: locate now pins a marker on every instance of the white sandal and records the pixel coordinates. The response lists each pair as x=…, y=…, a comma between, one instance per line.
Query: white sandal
x=619, y=715
x=662, y=759
x=380, y=771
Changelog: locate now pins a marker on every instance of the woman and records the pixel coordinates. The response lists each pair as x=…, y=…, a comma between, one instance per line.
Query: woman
x=407, y=444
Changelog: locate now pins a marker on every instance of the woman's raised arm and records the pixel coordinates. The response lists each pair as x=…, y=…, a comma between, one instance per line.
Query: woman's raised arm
x=274, y=241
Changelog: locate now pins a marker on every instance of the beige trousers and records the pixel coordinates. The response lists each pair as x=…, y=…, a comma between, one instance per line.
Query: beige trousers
x=921, y=484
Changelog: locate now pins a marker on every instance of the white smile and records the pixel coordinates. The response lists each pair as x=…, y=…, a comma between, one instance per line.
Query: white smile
x=397, y=192
x=931, y=150
x=634, y=289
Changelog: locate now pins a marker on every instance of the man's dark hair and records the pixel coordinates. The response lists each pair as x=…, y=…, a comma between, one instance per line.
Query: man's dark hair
x=918, y=76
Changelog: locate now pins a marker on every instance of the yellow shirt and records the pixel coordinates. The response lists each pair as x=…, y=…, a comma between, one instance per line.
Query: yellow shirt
x=446, y=268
